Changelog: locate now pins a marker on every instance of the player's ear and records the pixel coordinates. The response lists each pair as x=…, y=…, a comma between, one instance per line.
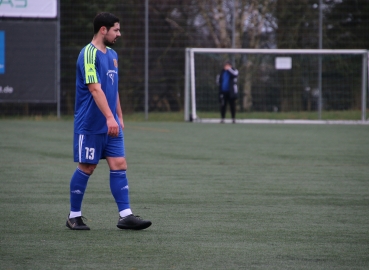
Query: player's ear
x=103, y=30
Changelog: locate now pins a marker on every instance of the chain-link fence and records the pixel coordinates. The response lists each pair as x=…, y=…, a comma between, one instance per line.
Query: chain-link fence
x=175, y=25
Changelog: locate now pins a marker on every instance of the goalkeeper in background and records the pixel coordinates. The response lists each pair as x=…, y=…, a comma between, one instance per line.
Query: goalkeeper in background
x=228, y=93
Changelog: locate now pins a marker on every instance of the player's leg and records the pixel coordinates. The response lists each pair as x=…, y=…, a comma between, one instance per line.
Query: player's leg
x=78, y=185
x=223, y=106
x=115, y=157
x=119, y=184
x=87, y=152
x=226, y=101
x=232, y=105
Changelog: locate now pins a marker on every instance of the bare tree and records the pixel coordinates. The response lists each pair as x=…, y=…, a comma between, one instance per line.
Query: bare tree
x=252, y=19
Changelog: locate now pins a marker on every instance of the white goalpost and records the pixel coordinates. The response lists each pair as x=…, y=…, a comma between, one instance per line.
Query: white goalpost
x=316, y=85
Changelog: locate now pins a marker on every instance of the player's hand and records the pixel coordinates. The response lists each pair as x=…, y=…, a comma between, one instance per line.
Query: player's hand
x=113, y=127
x=122, y=124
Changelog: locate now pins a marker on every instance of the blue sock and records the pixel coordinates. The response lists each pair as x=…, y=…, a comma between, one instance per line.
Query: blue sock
x=119, y=188
x=78, y=185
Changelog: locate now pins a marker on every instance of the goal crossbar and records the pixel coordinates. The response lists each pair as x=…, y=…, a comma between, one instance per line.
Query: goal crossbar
x=275, y=51
x=190, y=91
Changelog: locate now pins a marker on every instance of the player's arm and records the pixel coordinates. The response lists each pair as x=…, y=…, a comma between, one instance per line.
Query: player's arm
x=120, y=113
x=233, y=71
x=101, y=102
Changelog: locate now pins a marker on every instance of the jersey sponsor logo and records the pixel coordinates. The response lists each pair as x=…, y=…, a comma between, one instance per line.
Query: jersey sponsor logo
x=115, y=63
x=111, y=74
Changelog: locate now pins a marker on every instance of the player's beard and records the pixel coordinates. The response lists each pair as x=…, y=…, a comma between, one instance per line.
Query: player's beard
x=109, y=43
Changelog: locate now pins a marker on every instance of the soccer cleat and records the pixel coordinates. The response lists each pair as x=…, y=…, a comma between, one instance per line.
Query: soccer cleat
x=76, y=224
x=132, y=222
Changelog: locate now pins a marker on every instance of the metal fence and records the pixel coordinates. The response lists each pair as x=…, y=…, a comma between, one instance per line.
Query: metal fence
x=175, y=25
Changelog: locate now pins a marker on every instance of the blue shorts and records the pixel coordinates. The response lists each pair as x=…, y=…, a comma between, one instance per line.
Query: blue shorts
x=90, y=148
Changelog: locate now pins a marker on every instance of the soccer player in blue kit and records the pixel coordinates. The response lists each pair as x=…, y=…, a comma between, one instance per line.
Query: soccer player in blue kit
x=98, y=125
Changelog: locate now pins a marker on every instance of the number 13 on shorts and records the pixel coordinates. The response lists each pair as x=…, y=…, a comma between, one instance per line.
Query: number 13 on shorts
x=90, y=153
x=87, y=148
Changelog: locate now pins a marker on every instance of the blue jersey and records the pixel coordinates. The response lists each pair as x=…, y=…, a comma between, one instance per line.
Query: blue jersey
x=94, y=66
x=225, y=81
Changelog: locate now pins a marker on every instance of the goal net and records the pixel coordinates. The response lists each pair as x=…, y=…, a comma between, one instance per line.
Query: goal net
x=279, y=85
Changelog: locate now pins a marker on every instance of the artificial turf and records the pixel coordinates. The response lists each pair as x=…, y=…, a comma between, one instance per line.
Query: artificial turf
x=219, y=196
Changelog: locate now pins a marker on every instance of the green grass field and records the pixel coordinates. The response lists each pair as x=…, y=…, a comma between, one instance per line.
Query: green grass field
x=219, y=197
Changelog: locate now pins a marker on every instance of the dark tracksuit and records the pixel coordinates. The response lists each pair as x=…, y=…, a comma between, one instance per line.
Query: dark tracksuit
x=228, y=93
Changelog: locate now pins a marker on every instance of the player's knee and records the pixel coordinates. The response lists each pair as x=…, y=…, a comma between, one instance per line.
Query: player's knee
x=123, y=164
x=117, y=163
x=92, y=169
x=87, y=168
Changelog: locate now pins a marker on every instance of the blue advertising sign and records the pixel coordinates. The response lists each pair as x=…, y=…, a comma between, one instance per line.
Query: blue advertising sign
x=2, y=52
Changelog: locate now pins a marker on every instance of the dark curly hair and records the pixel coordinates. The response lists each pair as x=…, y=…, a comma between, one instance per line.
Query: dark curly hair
x=104, y=19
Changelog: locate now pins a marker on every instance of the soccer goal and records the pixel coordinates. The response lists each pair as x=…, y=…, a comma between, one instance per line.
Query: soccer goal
x=280, y=86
